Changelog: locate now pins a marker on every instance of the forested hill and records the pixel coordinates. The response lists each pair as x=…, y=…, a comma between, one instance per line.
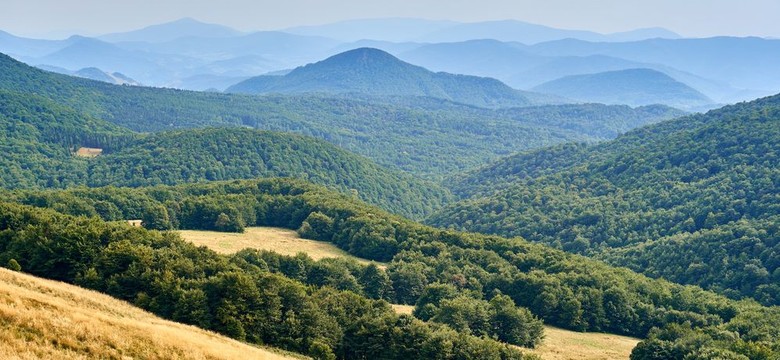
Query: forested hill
x=475, y=284
x=39, y=139
x=694, y=200
x=236, y=153
x=375, y=72
x=427, y=137
x=633, y=87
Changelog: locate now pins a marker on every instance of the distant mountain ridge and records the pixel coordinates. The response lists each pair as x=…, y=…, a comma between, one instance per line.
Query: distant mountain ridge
x=633, y=87
x=421, y=30
x=725, y=69
x=382, y=29
x=748, y=63
x=185, y=27
x=375, y=72
x=528, y=33
x=94, y=73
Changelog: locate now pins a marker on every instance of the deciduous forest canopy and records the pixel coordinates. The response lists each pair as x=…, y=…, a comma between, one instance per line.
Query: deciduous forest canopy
x=480, y=189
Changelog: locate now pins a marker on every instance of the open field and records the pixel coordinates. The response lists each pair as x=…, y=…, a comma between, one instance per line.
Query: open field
x=562, y=344
x=559, y=344
x=88, y=152
x=282, y=241
x=403, y=309
x=43, y=319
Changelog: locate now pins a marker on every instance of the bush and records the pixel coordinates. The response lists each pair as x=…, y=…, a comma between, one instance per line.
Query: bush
x=14, y=265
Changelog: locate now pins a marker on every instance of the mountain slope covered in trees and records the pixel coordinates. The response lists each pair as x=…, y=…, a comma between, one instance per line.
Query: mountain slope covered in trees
x=693, y=200
x=424, y=136
x=39, y=139
x=634, y=87
x=375, y=72
x=453, y=278
x=213, y=154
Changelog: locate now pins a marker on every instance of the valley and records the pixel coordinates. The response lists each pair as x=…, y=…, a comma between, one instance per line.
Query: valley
x=557, y=343
x=390, y=187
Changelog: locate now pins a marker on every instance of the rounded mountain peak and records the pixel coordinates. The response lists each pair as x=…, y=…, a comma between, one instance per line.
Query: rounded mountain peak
x=363, y=56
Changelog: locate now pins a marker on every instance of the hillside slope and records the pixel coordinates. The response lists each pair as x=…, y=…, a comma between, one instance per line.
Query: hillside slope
x=438, y=271
x=424, y=136
x=704, y=186
x=375, y=72
x=44, y=319
x=213, y=154
x=634, y=87
x=40, y=137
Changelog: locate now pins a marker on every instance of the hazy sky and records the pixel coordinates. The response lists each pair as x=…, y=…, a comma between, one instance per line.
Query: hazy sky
x=696, y=18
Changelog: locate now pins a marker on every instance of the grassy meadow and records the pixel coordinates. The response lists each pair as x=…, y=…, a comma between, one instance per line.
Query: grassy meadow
x=43, y=319
x=282, y=241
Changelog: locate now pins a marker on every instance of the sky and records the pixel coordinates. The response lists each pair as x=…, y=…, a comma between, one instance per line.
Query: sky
x=691, y=18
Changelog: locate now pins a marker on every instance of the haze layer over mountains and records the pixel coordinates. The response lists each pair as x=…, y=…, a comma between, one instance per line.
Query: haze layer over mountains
x=189, y=54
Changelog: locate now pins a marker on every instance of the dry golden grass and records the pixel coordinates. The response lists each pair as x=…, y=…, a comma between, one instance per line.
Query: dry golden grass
x=562, y=344
x=88, y=152
x=42, y=319
x=281, y=241
x=559, y=344
x=403, y=309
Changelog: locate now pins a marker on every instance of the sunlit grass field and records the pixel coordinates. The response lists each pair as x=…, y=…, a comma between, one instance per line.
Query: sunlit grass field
x=282, y=241
x=43, y=319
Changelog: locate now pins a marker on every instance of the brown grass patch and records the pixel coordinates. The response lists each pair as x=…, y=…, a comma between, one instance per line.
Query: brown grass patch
x=42, y=319
x=88, y=152
x=281, y=241
x=559, y=344
x=403, y=309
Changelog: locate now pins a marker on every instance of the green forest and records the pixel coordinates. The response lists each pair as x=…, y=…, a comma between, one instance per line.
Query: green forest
x=693, y=200
x=466, y=281
x=491, y=222
x=426, y=137
x=40, y=137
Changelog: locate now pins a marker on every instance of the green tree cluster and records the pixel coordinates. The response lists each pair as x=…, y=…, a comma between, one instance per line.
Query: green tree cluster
x=693, y=200
x=423, y=136
x=176, y=280
x=565, y=290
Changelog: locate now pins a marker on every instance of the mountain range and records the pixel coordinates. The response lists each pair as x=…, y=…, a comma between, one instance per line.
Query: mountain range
x=642, y=221
x=633, y=87
x=193, y=55
x=185, y=27
x=425, y=136
x=431, y=31
x=375, y=72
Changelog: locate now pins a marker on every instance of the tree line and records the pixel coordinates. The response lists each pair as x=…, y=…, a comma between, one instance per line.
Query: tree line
x=163, y=274
x=561, y=289
x=692, y=200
